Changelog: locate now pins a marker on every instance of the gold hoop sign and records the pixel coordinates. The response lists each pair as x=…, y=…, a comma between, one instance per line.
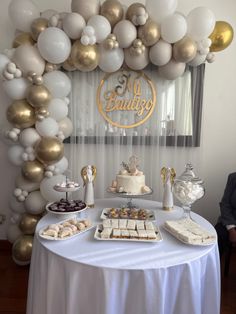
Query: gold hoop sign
x=126, y=99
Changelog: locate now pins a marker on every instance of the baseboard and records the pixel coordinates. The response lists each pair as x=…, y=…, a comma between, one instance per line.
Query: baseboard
x=5, y=245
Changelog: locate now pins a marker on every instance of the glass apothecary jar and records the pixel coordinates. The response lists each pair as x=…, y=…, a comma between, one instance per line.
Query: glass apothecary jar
x=188, y=188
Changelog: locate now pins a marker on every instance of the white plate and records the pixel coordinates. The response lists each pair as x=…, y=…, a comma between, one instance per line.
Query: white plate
x=99, y=229
x=104, y=215
x=66, y=238
x=205, y=243
x=64, y=189
x=64, y=213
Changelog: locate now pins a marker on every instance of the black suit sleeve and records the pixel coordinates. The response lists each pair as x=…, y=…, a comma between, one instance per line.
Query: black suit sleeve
x=228, y=213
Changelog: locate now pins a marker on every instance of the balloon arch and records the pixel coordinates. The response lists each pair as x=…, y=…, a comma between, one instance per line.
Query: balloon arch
x=106, y=36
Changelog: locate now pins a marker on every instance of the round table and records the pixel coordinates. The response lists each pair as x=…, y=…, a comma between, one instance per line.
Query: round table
x=86, y=276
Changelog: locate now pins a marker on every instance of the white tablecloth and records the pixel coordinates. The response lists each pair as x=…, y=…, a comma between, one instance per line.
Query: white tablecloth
x=86, y=276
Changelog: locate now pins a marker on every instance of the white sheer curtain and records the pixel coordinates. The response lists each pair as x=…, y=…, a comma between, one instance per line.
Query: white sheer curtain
x=156, y=142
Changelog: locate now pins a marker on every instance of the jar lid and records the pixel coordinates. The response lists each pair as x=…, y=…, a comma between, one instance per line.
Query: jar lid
x=189, y=175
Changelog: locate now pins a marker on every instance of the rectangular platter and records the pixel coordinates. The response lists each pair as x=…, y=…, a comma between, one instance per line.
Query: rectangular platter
x=198, y=236
x=150, y=215
x=75, y=234
x=99, y=230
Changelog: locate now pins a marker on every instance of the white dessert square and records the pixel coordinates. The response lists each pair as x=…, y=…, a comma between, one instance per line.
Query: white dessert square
x=140, y=225
x=106, y=232
x=124, y=234
x=133, y=234
x=142, y=234
x=106, y=223
x=115, y=223
x=149, y=225
x=131, y=224
x=116, y=233
x=123, y=223
x=151, y=234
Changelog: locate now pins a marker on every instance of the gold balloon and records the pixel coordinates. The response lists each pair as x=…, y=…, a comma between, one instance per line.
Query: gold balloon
x=21, y=114
x=149, y=33
x=38, y=96
x=22, y=248
x=23, y=39
x=134, y=9
x=85, y=58
x=33, y=171
x=113, y=11
x=185, y=50
x=38, y=26
x=68, y=65
x=28, y=223
x=221, y=36
x=49, y=150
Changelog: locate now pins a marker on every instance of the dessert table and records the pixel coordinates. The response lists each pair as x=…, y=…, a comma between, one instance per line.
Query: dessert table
x=86, y=276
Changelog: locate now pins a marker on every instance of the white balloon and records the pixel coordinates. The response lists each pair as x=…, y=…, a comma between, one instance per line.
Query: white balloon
x=161, y=53
x=26, y=185
x=201, y=23
x=28, y=59
x=101, y=25
x=13, y=233
x=29, y=137
x=172, y=70
x=73, y=25
x=58, y=84
x=137, y=62
x=173, y=28
x=15, y=155
x=47, y=190
x=48, y=13
x=159, y=9
x=4, y=60
x=15, y=206
x=15, y=218
x=23, y=13
x=61, y=166
x=125, y=33
x=198, y=59
x=47, y=127
x=66, y=127
x=86, y=8
x=57, y=109
x=35, y=203
x=54, y=45
x=110, y=60
x=16, y=88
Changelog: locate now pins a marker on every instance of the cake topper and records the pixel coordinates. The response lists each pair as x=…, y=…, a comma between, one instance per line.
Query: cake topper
x=132, y=166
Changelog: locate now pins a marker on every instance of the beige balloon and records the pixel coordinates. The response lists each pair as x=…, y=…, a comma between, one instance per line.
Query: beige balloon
x=28, y=223
x=38, y=26
x=33, y=171
x=136, y=61
x=133, y=10
x=185, y=50
x=125, y=33
x=38, y=96
x=23, y=39
x=172, y=70
x=21, y=114
x=86, y=8
x=149, y=33
x=66, y=127
x=85, y=58
x=22, y=248
x=49, y=150
x=113, y=11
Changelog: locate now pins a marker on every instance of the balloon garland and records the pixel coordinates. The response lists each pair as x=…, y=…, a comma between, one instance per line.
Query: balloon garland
x=90, y=36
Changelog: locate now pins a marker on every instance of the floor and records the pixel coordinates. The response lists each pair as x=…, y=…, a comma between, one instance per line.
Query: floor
x=13, y=287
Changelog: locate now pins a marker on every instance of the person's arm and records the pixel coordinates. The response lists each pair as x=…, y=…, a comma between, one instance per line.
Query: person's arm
x=227, y=217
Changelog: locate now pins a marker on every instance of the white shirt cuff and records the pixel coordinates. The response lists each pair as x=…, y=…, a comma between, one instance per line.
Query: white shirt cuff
x=228, y=227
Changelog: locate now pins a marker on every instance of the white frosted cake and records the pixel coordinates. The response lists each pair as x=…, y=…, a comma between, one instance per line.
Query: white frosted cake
x=130, y=180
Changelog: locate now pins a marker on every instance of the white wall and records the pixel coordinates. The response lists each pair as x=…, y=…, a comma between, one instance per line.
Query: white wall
x=218, y=126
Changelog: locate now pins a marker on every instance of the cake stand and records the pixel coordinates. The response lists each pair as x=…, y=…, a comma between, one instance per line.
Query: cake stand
x=66, y=190
x=130, y=197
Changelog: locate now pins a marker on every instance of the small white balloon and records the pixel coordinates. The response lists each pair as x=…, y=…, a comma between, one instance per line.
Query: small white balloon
x=13, y=232
x=15, y=155
x=29, y=137
x=198, y=59
x=125, y=33
x=17, y=192
x=110, y=60
x=57, y=109
x=161, y=53
x=54, y=45
x=35, y=203
x=15, y=218
x=58, y=84
x=4, y=60
x=173, y=28
x=102, y=27
x=47, y=190
x=47, y=127
x=66, y=127
x=172, y=70
x=73, y=25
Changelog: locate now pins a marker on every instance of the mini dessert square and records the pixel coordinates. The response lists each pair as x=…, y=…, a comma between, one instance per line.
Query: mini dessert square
x=131, y=224
x=123, y=223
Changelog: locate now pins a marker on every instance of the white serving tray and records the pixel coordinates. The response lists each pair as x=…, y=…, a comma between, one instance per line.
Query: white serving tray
x=69, y=213
x=45, y=237
x=105, y=211
x=157, y=240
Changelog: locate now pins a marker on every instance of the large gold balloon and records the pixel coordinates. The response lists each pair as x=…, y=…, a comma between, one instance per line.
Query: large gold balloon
x=38, y=96
x=185, y=50
x=23, y=39
x=49, y=150
x=113, y=11
x=149, y=33
x=68, y=65
x=221, y=36
x=22, y=248
x=85, y=58
x=28, y=223
x=21, y=114
x=134, y=9
x=33, y=171
x=38, y=26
